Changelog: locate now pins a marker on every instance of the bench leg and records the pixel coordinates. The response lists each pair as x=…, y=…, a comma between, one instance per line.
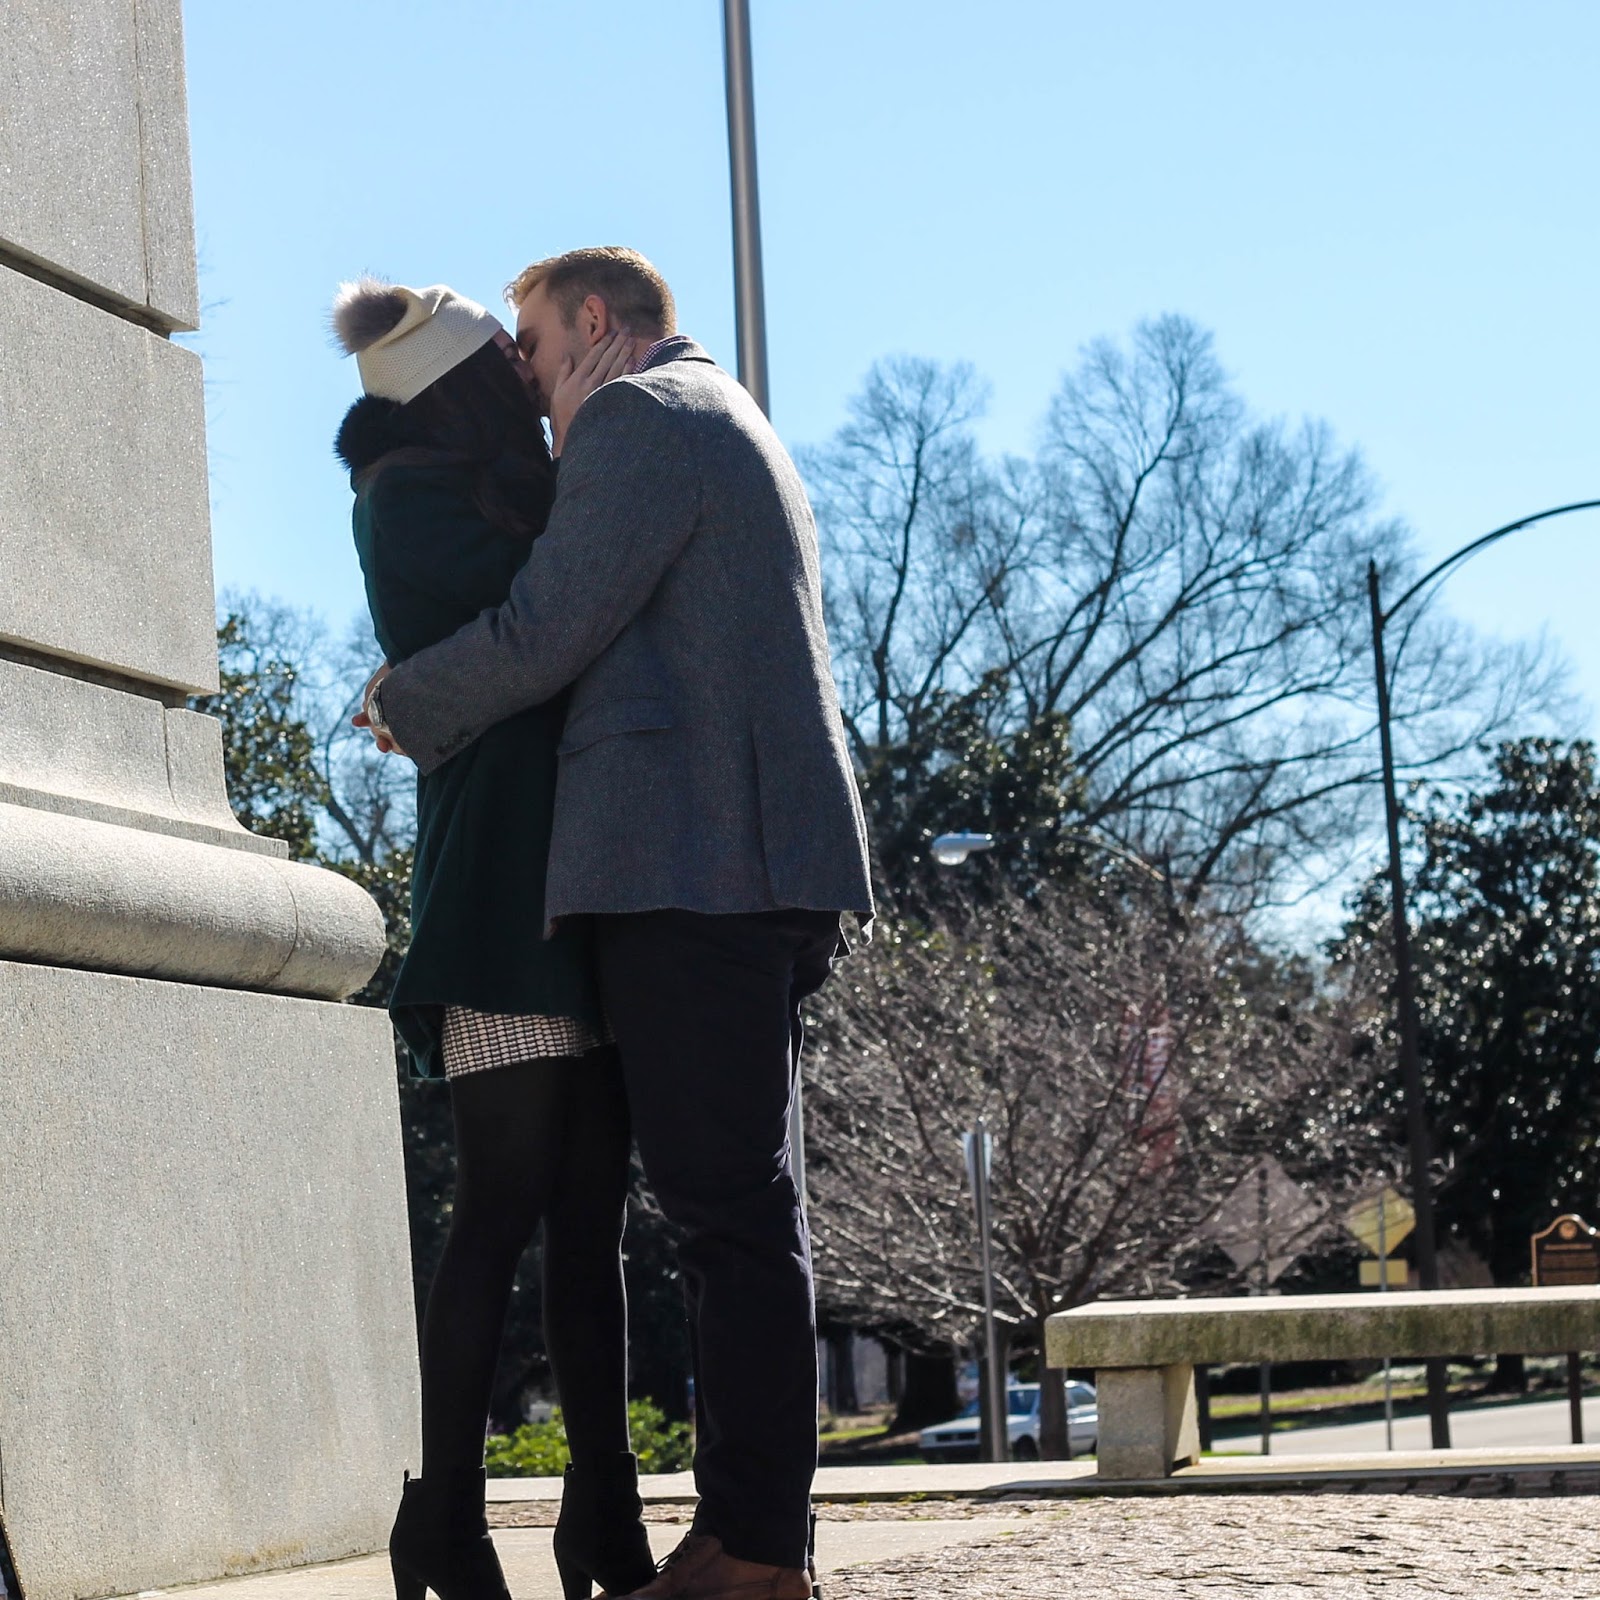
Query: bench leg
x=1148, y=1421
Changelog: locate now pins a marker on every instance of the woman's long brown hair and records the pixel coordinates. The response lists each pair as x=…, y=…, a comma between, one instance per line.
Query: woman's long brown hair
x=481, y=415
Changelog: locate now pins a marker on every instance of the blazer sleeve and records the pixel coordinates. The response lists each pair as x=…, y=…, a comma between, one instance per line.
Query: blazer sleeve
x=627, y=501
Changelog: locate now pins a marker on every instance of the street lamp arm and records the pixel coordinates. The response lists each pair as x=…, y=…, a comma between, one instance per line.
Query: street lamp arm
x=952, y=849
x=1477, y=545
x=1418, y=1134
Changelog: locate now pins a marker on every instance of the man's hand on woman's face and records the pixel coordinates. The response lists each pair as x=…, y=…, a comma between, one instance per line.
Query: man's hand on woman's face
x=608, y=359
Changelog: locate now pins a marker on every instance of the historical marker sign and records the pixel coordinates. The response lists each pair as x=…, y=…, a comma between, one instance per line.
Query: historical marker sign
x=1567, y=1253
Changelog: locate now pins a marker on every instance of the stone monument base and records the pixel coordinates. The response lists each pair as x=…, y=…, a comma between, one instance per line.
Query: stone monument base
x=207, y=1338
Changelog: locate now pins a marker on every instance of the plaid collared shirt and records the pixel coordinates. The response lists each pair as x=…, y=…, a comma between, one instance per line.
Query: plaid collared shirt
x=650, y=357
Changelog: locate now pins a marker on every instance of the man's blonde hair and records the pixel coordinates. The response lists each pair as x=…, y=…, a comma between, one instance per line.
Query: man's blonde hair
x=634, y=292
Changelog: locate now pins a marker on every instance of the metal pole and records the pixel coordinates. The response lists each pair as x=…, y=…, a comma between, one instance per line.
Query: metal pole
x=749, y=294
x=998, y=1442
x=1383, y=1288
x=750, y=318
x=1264, y=1283
x=1406, y=997
x=797, y=1139
x=1575, y=1394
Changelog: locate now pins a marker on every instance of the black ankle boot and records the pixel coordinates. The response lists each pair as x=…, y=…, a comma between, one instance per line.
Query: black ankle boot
x=441, y=1540
x=600, y=1537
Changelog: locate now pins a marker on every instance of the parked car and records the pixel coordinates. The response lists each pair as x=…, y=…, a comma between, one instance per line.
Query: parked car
x=957, y=1440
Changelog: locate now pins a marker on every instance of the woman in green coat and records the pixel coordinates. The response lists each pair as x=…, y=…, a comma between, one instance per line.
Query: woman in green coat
x=453, y=481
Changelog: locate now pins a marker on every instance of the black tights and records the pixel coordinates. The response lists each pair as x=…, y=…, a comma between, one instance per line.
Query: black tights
x=543, y=1141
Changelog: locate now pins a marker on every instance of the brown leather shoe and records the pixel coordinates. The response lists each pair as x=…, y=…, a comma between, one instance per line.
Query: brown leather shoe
x=700, y=1569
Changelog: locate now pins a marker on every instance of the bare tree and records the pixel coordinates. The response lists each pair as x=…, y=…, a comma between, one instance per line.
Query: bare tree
x=1132, y=1067
x=364, y=804
x=1180, y=586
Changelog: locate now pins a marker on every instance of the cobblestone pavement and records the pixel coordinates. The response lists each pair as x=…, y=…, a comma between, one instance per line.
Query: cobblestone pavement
x=1229, y=1547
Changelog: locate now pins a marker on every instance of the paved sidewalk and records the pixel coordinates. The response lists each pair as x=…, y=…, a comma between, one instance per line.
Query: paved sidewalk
x=1332, y=1546
x=531, y=1574
x=1286, y=1548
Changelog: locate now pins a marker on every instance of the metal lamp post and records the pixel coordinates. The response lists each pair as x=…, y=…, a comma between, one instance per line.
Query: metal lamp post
x=750, y=318
x=952, y=850
x=1418, y=1136
x=979, y=1148
x=748, y=291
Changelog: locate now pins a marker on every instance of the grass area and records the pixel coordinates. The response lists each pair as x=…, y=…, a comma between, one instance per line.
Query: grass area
x=1225, y=1407
x=848, y=1432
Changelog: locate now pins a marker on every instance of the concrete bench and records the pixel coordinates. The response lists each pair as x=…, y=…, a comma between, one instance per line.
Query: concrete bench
x=1144, y=1352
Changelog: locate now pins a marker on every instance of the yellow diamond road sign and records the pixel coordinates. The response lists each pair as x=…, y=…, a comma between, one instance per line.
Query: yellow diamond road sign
x=1381, y=1220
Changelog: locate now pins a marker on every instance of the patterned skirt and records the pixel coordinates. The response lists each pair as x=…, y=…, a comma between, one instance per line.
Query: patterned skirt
x=477, y=1040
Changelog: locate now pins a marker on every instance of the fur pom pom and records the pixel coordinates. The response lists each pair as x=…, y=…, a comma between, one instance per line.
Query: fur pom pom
x=364, y=311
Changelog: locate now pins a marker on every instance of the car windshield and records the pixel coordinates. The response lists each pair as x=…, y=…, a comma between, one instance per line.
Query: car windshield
x=1022, y=1400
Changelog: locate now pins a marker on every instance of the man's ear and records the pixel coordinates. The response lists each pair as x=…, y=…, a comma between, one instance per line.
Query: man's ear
x=594, y=319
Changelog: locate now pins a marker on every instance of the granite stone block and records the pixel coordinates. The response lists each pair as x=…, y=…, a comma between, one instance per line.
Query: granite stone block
x=1149, y=1422
x=207, y=1337
x=171, y=281
x=104, y=501
x=94, y=160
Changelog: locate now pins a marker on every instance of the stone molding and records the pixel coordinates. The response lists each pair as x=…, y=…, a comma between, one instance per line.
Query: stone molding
x=81, y=893
x=86, y=750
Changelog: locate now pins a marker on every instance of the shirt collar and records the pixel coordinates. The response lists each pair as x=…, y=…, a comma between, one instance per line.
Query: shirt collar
x=660, y=350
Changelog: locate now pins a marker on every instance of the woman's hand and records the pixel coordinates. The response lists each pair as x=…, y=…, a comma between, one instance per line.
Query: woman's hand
x=607, y=360
x=363, y=718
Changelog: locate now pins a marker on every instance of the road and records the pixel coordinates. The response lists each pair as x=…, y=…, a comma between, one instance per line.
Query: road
x=1530, y=1424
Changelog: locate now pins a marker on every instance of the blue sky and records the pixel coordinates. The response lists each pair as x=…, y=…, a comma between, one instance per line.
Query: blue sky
x=1386, y=213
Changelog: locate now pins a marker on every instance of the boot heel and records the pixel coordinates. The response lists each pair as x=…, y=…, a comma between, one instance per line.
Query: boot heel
x=407, y=1585
x=576, y=1584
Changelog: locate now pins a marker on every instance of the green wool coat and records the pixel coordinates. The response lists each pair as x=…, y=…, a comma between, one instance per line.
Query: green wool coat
x=432, y=562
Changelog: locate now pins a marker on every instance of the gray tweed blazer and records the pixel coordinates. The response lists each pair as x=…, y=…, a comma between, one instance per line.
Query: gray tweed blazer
x=677, y=589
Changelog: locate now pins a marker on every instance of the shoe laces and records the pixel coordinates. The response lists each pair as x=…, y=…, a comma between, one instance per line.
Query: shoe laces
x=685, y=1546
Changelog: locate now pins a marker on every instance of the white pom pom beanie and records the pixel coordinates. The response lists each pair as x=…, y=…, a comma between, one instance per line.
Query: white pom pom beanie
x=403, y=339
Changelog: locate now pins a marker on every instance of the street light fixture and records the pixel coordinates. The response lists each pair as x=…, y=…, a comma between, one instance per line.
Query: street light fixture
x=1418, y=1137
x=951, y=849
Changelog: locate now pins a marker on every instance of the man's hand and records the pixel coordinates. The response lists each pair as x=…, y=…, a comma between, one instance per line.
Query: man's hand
x=609, y=359
x=361, y=719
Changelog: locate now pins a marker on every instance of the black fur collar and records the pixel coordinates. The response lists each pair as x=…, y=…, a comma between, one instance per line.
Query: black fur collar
x=372, y=427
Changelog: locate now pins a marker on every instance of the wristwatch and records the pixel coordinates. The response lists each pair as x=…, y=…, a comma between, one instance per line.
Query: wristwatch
x=374, y=710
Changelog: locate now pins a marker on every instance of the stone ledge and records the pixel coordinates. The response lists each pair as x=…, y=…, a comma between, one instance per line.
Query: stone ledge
x=1161, y=1333
x=81, y=893
x=1419, y=1471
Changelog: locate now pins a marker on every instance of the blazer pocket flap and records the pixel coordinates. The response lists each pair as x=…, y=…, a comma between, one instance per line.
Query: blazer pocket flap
x=609, y=717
